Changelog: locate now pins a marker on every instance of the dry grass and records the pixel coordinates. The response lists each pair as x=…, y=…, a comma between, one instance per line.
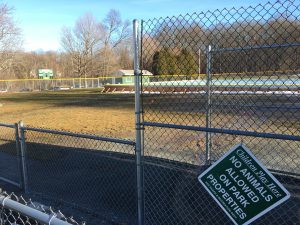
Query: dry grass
x=89, y=111
x=84, y=111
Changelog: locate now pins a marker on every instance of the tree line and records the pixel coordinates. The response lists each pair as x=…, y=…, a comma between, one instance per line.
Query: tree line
x=167, y=62
x=90, y=48
x=165, y=42
x=175, y=45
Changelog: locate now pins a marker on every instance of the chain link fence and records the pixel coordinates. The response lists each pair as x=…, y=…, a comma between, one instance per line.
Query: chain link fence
x=9, y=154
x=17, y=210
x=222, y=77
x=27, y=85
x=90, y=172
x=33, y=85
x=90, y=176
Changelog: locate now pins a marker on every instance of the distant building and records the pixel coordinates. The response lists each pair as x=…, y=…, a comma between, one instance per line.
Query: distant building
x=127, y=76
x=45, y=74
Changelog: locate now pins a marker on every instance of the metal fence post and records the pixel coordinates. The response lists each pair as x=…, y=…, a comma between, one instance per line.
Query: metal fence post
x=138, y=127
x=18, y=148
x=23, y=157
x=208, y=106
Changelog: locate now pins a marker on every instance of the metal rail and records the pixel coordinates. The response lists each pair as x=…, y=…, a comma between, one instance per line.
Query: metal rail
x=87, y=136
x=7, y=125
x=257, y=106
x=256, y=47
x=44, y=218
x=225, y=131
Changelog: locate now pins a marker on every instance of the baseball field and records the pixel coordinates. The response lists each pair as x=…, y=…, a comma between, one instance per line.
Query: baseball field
x=84, y=111
x=112, y=114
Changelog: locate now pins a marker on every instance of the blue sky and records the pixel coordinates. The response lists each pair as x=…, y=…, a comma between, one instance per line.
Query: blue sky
x=42, y=20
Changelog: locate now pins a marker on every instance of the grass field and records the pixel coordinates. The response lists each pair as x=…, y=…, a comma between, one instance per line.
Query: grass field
x=90, y=111
x=84, y=111
x=57, y=159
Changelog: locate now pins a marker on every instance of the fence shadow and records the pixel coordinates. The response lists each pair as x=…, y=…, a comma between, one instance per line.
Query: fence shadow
x=101, y=181
x=91, y=98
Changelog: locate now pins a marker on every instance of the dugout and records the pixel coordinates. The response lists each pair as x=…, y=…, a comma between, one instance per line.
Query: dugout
x=127, y=77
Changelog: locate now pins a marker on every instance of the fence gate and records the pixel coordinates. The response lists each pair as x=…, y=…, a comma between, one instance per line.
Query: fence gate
x=220, y=78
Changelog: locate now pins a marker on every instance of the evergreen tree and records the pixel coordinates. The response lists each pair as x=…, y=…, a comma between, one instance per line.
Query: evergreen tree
x=155, y=63
x=164, y=63
x=188, y=63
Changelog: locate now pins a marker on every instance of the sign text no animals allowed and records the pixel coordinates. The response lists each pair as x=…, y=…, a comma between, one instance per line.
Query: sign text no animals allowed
x=242, y=186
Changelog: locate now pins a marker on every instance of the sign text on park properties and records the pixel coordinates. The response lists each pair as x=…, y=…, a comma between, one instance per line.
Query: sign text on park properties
x=242, y=186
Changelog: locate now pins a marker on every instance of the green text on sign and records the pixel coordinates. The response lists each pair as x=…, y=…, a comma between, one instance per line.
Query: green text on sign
x=242, y=186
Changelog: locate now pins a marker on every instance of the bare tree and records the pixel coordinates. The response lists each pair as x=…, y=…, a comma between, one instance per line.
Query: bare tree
x=82, y=43
x=10, y=37
x=117, y=32
x=125, y=58
x=94, y=46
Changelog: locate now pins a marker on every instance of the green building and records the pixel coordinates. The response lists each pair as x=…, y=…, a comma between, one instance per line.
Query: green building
x=45, y=74
x=127, y=77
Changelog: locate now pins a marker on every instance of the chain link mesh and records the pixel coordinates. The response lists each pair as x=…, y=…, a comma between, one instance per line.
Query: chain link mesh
x=234, y=70
x=9, y=160
x=97, y=176
x=29, y=85
x=10, y=217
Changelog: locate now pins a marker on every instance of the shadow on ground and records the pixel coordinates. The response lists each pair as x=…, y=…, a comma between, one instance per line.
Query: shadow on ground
x=90, y=98
x=100, y=188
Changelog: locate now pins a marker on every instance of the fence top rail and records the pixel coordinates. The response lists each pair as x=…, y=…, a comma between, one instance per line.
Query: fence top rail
x=7, y=125
x=86, y=136
x=255, y=47
x=42, y=217
x=63, y=79
x=225, y=131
